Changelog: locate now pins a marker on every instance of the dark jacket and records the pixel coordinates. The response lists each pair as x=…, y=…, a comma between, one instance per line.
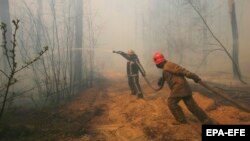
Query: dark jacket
x=175, y=77
x=133, y=64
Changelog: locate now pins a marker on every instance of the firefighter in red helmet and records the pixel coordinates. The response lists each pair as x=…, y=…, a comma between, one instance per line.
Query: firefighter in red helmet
x=175, y=76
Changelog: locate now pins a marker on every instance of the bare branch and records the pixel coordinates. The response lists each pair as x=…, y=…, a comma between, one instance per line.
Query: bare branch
x=206, y=56
x=4, y=73
x=13, y=64
x=4, y=44
x=34, y=60
x=224, y=48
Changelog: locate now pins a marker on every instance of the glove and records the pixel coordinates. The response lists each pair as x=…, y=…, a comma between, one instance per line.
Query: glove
x=196, y=78
x=160, y=81
x=118, y=52
x=143, y=74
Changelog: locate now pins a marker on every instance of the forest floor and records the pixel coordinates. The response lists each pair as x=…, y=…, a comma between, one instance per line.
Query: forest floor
x=107, y=112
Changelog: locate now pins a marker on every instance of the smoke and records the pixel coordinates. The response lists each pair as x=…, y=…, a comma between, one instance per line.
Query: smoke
x=173, y=28
x=146, y=26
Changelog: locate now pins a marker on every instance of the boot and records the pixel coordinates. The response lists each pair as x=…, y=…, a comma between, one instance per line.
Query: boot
x=132, y=93
x=208, y=121
x=179, y=122
x=140, y=96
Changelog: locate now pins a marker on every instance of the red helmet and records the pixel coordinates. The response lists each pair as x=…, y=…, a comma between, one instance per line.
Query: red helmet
x=158, y=58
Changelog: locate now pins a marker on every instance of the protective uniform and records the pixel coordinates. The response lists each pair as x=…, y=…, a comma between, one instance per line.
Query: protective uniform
x=133, y=68
x=175, y=75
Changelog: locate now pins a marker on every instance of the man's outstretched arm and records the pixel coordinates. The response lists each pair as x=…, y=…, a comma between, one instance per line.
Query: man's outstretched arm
x=123, y=54
x=176, y=69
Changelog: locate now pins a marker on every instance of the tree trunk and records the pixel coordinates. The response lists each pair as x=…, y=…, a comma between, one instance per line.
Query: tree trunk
x=235, y=35
x=205, y=32
x=237, y=69
x=38, y=43
x=5, y=18
x=78, y=44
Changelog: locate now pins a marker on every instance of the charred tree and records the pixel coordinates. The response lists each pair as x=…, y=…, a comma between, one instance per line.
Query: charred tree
x=204, y=31
x=77, y=64
x=39, y=22
x=5, y=18
x=235, y=35
x=219, y=42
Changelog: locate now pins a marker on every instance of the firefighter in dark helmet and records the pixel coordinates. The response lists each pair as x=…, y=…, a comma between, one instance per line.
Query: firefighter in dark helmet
x=133, y=68
x=175, y=76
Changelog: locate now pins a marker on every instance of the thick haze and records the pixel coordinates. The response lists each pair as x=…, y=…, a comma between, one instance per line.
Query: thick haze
x=123, y=23
x=146, y=26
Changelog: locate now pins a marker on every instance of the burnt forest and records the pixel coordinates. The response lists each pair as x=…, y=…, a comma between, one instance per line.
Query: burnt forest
x=113, y=70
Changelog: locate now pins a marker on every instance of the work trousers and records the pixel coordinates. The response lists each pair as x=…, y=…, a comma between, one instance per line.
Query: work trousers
x=191, y=105
x=133, y=82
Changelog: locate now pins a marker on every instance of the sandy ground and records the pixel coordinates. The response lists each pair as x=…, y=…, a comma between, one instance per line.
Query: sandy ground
x=107, y=112
x=119, y=116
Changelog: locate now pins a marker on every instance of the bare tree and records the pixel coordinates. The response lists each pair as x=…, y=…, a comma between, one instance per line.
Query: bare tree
x=237, y=69
x=5, y=18
x=235, y=35
x=10, y=55
x=78, y=43
x=92, y=31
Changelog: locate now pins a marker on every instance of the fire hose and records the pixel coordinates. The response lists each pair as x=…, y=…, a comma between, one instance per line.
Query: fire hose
x=213, y=90
x=149, y=84
x=225, y=96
